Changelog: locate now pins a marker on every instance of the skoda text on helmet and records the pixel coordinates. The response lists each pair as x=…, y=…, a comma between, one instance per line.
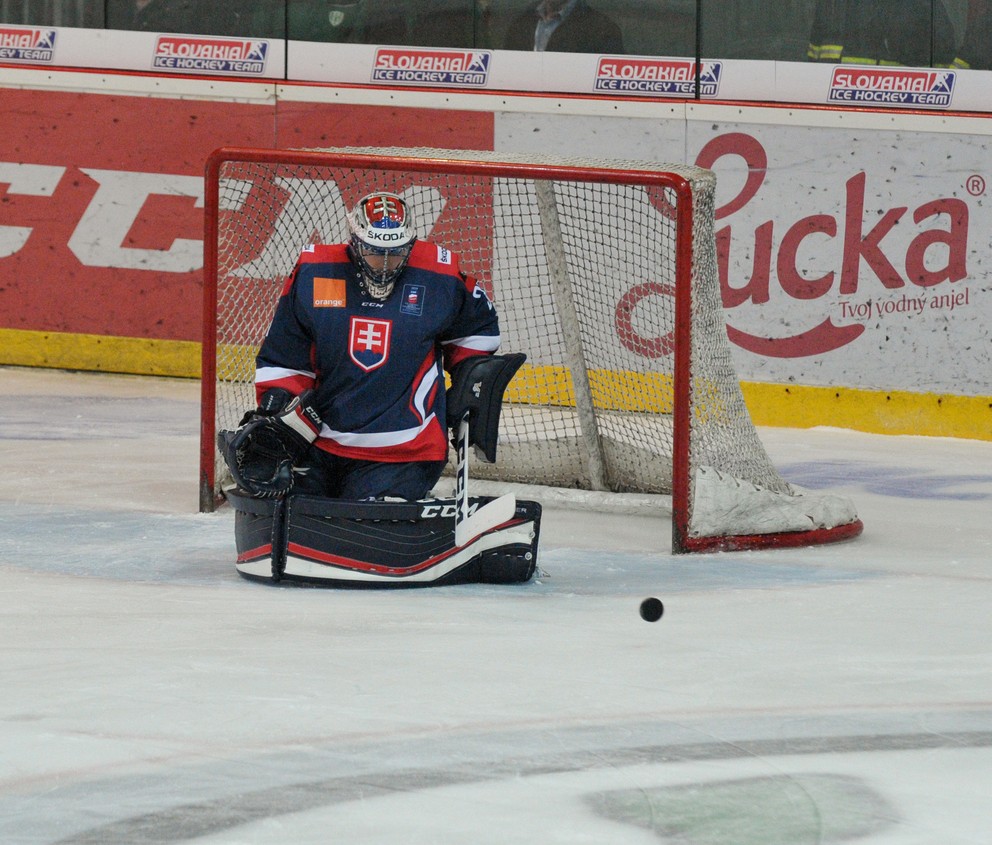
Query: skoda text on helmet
x=381, y=239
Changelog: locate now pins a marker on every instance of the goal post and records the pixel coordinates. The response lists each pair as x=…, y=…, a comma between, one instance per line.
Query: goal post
x=603, y=272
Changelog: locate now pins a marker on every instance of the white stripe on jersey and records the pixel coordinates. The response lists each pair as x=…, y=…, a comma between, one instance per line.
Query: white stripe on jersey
x=423, y=390
x=381, y=440
x=267, y=374
x=478, y=342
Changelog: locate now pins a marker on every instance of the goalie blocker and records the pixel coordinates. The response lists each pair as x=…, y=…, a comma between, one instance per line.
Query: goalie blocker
x=477, y=386
x=337, y=543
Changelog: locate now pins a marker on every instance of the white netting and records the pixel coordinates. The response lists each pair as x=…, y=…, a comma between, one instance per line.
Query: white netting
x=583, y=275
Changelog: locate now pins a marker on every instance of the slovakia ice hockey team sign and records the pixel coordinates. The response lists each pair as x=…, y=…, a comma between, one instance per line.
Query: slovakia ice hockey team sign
x=27, y=45
x=187, y=54
x=454, y=68
x=662, y=77
x=368, y=343
x=906, y=87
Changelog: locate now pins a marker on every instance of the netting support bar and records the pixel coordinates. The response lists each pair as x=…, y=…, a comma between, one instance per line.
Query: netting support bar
x=569, y=319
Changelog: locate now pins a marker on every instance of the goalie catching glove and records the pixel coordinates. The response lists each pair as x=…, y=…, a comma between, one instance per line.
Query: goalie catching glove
x=477, y=386
x=261, y=454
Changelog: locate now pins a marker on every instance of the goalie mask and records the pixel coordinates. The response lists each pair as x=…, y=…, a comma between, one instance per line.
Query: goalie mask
x=381, y=239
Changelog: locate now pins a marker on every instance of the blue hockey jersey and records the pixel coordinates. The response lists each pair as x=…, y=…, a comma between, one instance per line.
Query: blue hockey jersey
x=376, y=366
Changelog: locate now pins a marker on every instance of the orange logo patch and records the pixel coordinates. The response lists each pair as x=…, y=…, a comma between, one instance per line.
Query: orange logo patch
x=328, y=293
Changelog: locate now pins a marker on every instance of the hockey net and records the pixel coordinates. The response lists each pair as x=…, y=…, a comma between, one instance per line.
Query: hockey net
x=603, y=273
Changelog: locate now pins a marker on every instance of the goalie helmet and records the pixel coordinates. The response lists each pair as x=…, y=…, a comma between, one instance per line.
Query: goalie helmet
x=381, y=239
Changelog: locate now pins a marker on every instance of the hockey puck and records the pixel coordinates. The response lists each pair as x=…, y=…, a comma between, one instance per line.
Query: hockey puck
x=651, y=609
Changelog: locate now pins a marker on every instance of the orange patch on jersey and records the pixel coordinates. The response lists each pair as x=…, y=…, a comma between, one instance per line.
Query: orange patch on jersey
x=328, y=293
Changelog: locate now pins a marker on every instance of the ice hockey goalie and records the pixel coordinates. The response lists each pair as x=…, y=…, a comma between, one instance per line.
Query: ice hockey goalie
x=334, y=468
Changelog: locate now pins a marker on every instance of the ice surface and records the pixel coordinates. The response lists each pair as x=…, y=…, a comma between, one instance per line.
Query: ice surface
x=149, y=694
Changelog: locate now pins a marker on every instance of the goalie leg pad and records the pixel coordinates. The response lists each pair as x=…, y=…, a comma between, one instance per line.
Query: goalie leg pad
x=259, y=534
x=341, y=543
x=513, y=563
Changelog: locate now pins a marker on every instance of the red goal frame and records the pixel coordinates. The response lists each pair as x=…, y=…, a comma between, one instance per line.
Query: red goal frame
x=682, y=541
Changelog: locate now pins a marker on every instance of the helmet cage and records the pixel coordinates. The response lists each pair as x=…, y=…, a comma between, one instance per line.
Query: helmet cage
x=378, y=281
